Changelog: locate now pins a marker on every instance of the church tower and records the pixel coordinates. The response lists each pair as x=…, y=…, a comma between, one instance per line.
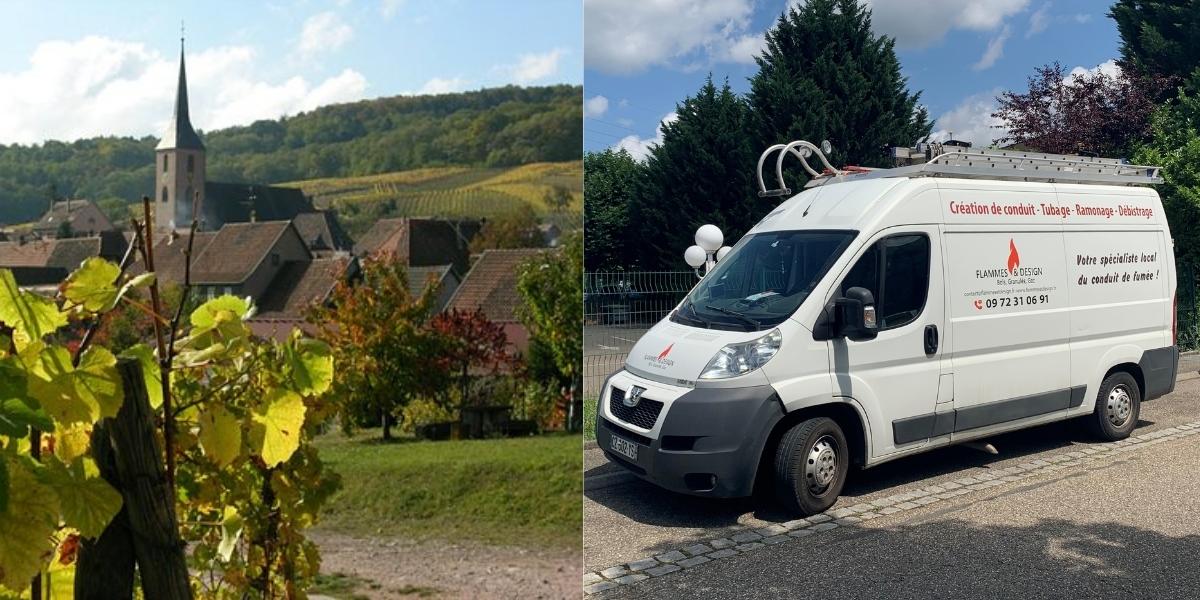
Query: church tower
x=180, y=165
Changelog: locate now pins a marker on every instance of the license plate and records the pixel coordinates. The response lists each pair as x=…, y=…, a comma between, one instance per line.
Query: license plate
x=623, y=447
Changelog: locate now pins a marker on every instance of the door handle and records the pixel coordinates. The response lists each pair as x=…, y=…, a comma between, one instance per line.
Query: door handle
x=931, y=340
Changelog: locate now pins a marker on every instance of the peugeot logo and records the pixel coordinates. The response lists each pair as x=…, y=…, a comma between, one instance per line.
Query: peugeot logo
x=633, y=397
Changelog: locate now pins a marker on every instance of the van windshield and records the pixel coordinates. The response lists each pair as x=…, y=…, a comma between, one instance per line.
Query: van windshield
x=763, y=280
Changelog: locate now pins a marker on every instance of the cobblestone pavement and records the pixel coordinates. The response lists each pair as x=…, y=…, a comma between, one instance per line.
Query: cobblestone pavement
x=1067, y=499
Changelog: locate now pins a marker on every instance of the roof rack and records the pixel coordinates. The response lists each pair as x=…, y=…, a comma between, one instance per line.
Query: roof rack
x=945, y=160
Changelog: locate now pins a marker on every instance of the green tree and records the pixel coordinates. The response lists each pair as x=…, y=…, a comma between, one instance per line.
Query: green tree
x=702, y=172
x=1158, y=38
x=825, y=76
x=516, y=229
x=609, y=183
x=551, y=289
x=1175, y=146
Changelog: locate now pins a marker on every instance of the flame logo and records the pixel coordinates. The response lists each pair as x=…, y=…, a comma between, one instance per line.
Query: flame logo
x=666, y=352
x=1014, y=259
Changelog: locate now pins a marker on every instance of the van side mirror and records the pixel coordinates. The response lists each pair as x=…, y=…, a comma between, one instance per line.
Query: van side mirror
x=855, y=315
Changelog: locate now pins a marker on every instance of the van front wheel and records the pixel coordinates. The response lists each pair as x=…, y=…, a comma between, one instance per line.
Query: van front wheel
x=1117, y=407
x=810, y=466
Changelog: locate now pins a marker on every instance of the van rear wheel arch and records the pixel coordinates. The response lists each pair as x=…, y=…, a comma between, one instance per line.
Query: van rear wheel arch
x=1134, y=370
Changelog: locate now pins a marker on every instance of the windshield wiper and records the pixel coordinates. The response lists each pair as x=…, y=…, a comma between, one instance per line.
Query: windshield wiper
x=734, y=313
x=696, y=316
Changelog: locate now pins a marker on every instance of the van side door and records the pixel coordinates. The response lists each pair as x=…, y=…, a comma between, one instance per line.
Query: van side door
x=895, y=376
x=1010, y=318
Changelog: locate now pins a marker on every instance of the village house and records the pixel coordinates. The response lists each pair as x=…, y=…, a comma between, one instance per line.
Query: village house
x=491, y=286
x=72, y=218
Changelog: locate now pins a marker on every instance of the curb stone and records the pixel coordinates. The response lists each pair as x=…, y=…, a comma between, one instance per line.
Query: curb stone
x=748, y=540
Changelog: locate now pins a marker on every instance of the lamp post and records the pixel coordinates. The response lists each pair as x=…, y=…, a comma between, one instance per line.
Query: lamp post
x=707, y=251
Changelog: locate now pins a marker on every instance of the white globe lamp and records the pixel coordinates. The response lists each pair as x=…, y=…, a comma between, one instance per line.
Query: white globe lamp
x=695, y=256
x=709, y=238
x=722, y=252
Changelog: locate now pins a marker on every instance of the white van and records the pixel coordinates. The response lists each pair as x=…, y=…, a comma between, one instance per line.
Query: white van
x=883, y=313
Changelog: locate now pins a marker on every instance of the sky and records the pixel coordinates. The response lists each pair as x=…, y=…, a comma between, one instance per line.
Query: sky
x=644, y=56
x=78, y=69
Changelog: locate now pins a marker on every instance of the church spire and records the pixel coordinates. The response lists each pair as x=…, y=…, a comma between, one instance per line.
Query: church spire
x=180, y=134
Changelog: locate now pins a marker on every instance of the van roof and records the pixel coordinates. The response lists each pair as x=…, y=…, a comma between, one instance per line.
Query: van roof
x=951, y=160
x=1010, y=165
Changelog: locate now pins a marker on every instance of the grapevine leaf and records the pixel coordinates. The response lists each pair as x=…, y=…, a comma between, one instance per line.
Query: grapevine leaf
x=88, y=502
x=216, y=321
x=219, y=310
x=220, y=435
x=17, y=410
x=72, y=441
x=141, y=281
x=311, y=365
x=97, y=376
x=3, y=486
x=52, y=383
x=275, y=430
x=231, y=529
x=26, y=525
x=93, y=285
x=150, y=372
x=31, y=316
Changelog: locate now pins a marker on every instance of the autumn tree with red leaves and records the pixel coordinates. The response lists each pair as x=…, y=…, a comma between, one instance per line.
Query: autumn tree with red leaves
x=472, y=346
x=1091, y=113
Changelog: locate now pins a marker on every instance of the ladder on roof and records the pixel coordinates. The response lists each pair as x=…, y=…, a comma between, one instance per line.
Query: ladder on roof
x=944, y=160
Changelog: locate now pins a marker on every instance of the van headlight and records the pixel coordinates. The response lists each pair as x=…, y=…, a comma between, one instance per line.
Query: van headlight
x=739, y=359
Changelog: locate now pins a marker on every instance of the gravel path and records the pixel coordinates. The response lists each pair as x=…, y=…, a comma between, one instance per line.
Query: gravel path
x=406, y=569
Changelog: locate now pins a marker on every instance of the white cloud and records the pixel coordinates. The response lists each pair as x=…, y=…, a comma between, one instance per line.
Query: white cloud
x=101, y=86
x=531, y=68
x=971, y=120
x=595, y=106
x=1039, y=20
x=629, y=36
x=389, y=8
x=638, y=146
x=1108, y=67
x=993, y=52
x=323, y=32
x=743, y=49
x=917, y=24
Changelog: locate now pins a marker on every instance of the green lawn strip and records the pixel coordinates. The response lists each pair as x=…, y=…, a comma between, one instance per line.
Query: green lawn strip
x=589, y=418
x=525, y=491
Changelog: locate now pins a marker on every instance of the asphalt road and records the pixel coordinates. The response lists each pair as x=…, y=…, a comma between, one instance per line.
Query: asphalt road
x=1128, y=528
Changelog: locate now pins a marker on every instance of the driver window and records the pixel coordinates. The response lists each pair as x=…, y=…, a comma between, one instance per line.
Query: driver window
x=896, y=271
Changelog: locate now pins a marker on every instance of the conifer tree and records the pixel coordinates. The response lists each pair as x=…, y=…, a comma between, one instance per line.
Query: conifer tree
x=702, y=172
x=825, y=76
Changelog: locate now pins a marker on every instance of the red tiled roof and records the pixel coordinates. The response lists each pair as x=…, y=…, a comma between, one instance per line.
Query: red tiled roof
x=232, y=255
x=300, y=284
x=386, y=235
x=65, y=253
x=492, y=284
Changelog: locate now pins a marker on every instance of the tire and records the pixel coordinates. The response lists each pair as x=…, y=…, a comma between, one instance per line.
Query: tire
x=1118, y=404
x=804, y=490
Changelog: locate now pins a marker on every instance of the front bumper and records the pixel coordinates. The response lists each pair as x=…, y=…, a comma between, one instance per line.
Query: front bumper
x=708, y=443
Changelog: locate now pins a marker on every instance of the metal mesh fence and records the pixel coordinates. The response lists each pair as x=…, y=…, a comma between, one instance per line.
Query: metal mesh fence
x=1187, y=318
x=618, y=307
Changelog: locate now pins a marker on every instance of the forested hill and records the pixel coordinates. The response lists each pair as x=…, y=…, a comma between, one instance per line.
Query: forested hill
x=494, y=128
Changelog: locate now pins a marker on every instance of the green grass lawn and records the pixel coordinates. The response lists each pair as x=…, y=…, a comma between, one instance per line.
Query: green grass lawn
x=589, y=418
x=522, y=491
